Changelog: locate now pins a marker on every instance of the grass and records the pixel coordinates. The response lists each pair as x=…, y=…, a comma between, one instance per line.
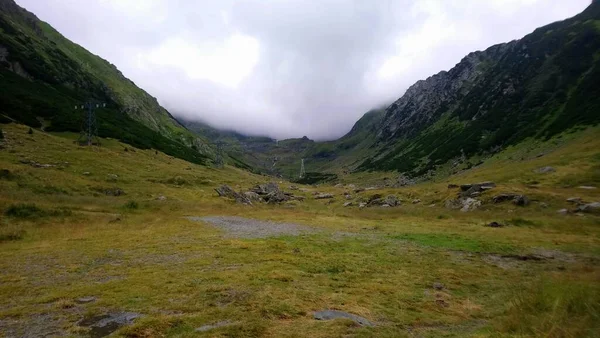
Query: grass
x=135, y=252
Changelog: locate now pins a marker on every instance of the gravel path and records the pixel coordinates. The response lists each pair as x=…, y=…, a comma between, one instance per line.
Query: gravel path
x=251, y=228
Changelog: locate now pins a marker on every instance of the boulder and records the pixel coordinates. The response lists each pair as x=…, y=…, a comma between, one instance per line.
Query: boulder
x=503, y=198
x=475, y=189
x=590, y=208
x=252, y=196
x=348, y=204
x=587, y=187
x=452, y=186
x=276, y=197
x=348, y=196
x=323, y=196
x=362, y=205
x=574, y=200
x=112, y=177
x=392, y=201
x=563, y=211
x=545, y=170
x=227, y=192
x=333, y=314
x=265, y=189
x=521, y=200
x=161, y=198
x=470, y=204
x=416, y=201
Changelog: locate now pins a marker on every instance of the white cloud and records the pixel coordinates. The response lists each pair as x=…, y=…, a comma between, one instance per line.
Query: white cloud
x=289, y=68
x=226, y=63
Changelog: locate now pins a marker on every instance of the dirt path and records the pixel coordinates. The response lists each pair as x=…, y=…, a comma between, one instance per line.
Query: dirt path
x=251, y=228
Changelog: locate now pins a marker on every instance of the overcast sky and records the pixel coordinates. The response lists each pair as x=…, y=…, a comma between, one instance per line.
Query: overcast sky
x=289, y=68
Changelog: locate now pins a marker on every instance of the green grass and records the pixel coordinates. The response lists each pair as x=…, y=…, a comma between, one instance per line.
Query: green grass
x=136, y=252
x=457, y=242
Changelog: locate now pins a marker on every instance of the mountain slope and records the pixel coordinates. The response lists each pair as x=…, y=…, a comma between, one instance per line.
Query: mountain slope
x=539, y=86
x=43, y=76
x=283, y=157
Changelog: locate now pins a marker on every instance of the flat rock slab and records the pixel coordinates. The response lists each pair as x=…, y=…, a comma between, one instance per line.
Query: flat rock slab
x=209, y=327
x=251, y=228
x=333, y=314
x=104, y=325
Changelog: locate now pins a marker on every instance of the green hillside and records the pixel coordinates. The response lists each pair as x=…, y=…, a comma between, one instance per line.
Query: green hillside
x=43, y=76
x=535, y=87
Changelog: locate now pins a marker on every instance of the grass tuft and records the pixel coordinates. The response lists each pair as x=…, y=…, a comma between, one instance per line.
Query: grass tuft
x=554, y=308
x=11, y=232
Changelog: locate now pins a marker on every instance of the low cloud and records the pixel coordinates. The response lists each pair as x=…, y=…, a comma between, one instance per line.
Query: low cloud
x=289, y=68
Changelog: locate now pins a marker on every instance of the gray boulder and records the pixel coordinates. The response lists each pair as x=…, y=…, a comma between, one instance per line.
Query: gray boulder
x=590, y=208
x=470, y=204
x=323, y=196
x=227, y=192
x=545, y=170
x=521, y=200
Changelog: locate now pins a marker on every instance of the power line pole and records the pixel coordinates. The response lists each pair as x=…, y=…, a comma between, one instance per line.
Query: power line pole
x=302, y=171
x=219, y=163
x=89, y=128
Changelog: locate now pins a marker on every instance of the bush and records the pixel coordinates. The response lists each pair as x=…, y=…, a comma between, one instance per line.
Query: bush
x=131, y=205
x=31, y=211
x=1, y=135
x=24, y=211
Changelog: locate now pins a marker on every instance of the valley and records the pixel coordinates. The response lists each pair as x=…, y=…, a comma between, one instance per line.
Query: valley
x=468, y=207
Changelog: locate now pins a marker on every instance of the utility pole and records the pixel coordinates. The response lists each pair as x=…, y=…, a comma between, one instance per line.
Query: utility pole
x=89, y=128
x=302, y=171
x=219, y=163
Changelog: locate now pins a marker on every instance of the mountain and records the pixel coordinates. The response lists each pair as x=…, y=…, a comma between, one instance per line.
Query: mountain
x=43, y=76
x=539, y=86
x=283, y=157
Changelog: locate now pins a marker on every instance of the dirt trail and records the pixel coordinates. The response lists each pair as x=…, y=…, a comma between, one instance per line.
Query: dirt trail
x=251, y=228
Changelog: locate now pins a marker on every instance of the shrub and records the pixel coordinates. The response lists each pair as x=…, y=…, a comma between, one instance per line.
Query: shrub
x=31, y=211
x=24, y=211
x=131, y=205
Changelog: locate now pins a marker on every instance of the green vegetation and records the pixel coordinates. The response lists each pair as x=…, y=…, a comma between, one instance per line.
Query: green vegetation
x=537, y=87
x=55, y=75
x=31, y=211
x=379, y=263
x=457, y=242
x=558, y=307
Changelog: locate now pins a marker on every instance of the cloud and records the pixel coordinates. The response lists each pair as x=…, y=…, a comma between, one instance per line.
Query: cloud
x=288, y=68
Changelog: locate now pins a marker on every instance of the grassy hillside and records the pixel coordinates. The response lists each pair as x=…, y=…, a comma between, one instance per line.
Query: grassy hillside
x=538, y=86
x=43, y=76
x=64, y=236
